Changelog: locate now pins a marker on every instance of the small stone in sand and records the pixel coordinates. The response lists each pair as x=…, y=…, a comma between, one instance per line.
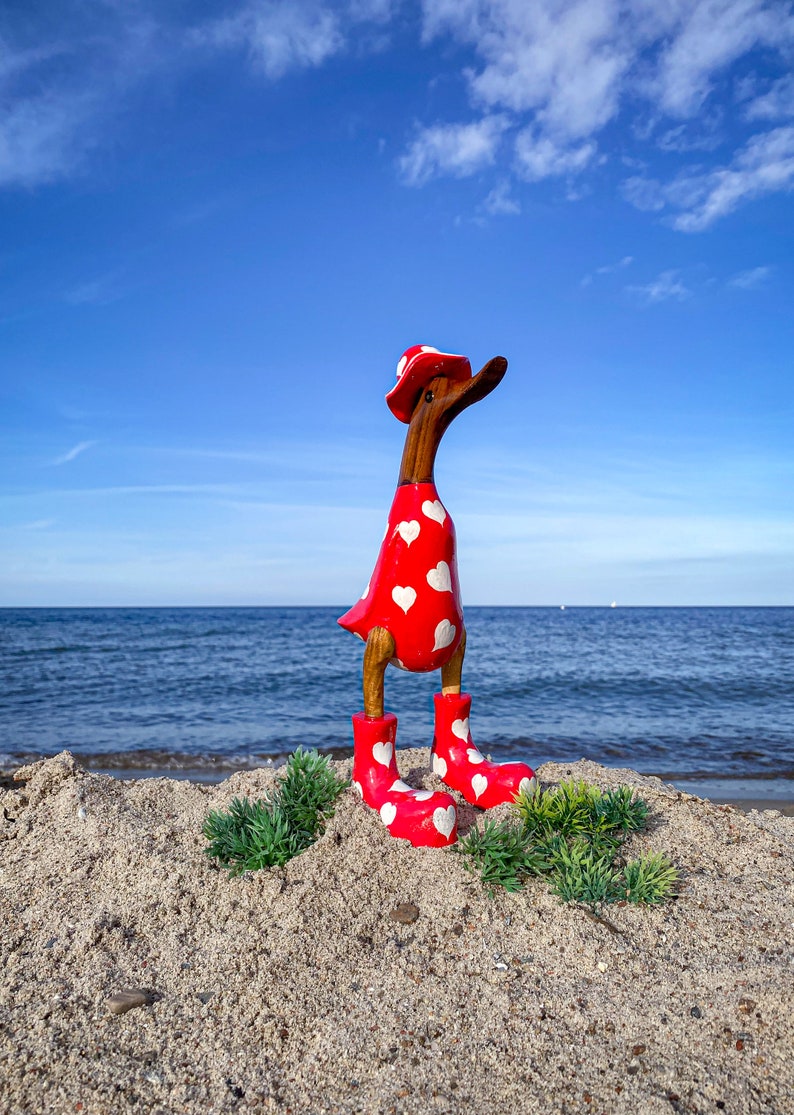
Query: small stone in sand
x=406, y=913
x=122, y=1001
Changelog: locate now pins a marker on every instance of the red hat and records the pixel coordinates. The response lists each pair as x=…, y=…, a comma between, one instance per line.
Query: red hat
x=419, y=365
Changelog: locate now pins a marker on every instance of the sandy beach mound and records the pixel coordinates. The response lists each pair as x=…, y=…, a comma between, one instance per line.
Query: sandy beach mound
x=295, y=990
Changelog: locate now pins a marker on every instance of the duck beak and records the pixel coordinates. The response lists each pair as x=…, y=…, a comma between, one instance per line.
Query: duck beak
x=463, y=394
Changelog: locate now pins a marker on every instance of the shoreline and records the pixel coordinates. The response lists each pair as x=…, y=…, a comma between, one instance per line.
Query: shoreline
x=740, y=791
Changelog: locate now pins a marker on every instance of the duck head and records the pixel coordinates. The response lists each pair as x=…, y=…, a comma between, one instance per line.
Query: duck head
x=432, y=389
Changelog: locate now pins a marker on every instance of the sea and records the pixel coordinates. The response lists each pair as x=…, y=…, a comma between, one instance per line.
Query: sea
x=703, y=697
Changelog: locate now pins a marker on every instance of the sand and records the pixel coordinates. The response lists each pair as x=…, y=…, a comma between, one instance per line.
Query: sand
x=294, y=991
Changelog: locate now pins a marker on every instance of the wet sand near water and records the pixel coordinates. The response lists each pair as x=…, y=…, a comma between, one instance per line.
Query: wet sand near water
x=296, y=990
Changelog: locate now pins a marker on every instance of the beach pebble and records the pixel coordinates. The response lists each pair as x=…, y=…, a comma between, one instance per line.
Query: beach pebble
x=122, y=1001
x=406, y=913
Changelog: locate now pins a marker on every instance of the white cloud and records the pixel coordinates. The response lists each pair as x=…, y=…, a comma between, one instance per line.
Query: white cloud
x=708, y=37
x=279, y=36
x=75, y=451
x=539, y=156
x=499, y=203
x=776, y=104
x=763, y=166
x=666, y=286
x=747, y=280
x=42, y=139
x=456, y=149
x=607, y=269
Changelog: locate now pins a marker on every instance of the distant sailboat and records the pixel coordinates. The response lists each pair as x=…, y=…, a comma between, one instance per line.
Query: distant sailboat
x=562, y=607
x=614, y=604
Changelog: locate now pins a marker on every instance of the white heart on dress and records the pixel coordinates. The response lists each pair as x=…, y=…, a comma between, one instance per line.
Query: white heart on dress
x=439, y=578
x=460, y=728
x=474, y=756
x=388, y=811
x=408, y=530
x=423, y=795
x=382, y=753
x=434, y=510
x=527, y=786
x=445, y=634
x=399, y=787
x=444, y=819
x=403, y=597
x=479, y=783
x=358, y=789
x=439, y=766
x=365, y=593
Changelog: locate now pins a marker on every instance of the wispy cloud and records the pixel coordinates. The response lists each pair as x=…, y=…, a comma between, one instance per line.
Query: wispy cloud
x=666, y=286
x=748, y=280
x=456, y=149
x=764, y=165
x=606, y=269
x=75, y=451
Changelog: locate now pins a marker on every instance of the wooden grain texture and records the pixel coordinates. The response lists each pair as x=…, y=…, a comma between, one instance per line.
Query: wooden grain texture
x=452, y=671
x=441, y=402
x=379, y=652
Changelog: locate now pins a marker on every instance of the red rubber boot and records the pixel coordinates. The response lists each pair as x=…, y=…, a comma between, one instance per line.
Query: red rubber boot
x=427, y=818
x=461, y=765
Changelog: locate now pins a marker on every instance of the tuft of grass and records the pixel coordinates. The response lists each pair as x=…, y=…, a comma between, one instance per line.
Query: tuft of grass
x=572, y=835
x=500, y=852
x=649, y=879
x=272, y=830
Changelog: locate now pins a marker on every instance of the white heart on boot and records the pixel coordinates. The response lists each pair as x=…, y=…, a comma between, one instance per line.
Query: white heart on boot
x=423, y=795
x=527, y=785
x=408, y=530
x=445, y=634
x=474, y=756
x=358, y=789
x=444, y=819
x=403, y=597
x=439, y=578
x=434, y=510
x=479, y=784
x=460, y=728
x=439, y=766
x=399, y=787
x=388, y=811
x=382, y=753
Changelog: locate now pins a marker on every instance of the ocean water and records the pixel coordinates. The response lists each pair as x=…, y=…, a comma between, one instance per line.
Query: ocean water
x=686, y=693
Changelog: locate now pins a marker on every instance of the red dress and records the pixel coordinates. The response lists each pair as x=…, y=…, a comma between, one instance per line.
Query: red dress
x=414, y=591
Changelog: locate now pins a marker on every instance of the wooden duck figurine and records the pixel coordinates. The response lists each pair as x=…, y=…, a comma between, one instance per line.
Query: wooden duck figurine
x=410, y=615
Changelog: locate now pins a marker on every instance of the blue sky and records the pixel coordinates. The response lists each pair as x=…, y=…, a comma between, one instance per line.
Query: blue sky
x=223, y=223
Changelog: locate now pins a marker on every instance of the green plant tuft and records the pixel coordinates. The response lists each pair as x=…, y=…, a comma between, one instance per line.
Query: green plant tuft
x=571, y=834
x=270, y=831
x=649, y=879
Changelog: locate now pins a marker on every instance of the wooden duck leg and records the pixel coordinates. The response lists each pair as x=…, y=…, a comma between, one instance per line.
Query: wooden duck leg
x=379, y=652
x=425, y=817
x=455, y=757
x=452, y=671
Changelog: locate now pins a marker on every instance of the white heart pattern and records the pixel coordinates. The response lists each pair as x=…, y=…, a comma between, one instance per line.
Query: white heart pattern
x=358, y=789
x=388, y=811
x=445, y=634
x=403, y=597
x=475, y=757
x=527, y=785
x=382, y=753
x=444, y=819
x=399, y=787
x=439, y=766
x=439, y=578
x=408, y=530
x=479, y=783
x=434, y=510
x=423, y=795
x=460, y=728
x=365, y=593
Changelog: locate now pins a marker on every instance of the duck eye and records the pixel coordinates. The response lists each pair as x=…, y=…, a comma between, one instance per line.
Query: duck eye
x=429, y=397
